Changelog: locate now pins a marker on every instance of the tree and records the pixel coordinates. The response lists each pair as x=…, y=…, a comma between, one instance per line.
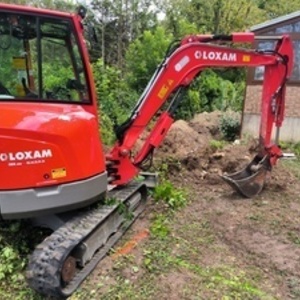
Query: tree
x=62, y=5
x=144, y=55
x=275, y=8
x=119, y=23
x=215, y=16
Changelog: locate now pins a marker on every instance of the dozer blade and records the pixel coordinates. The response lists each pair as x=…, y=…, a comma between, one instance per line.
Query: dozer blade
x=250, y=181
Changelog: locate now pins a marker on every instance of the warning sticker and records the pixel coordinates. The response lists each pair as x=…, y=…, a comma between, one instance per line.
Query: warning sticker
x=19, y=63
x=58, y=173
x=163, y=91
x=246, y=58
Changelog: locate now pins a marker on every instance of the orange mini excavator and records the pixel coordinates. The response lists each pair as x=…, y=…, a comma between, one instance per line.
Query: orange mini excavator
x=52, y=165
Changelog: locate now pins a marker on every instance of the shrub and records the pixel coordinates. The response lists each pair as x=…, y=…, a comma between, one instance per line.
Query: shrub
x=230, y=126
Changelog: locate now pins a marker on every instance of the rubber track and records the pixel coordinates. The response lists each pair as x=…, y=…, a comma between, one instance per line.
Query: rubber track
x=45, y=264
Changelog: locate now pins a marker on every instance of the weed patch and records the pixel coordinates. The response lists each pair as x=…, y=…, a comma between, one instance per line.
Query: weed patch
x=174, y=198
x=294, y=237
x=159, y=227
x=293, y=147
x=217, y=144
x=17, y=240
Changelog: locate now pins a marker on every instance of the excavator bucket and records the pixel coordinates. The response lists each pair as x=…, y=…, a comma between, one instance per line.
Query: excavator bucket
x=250, y=181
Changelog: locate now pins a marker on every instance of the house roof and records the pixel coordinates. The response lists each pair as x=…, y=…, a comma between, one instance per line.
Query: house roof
x=275, y=21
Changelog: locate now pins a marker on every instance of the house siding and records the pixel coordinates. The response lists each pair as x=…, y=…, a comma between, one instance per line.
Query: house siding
x=290, y=130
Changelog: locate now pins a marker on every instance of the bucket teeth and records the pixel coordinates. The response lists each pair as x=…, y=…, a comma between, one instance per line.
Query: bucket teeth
x=250, y=181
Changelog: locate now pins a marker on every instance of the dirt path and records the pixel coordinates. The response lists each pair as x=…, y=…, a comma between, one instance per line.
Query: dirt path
x=220, y=246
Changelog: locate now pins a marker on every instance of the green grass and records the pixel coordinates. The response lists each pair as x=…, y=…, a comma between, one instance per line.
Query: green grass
x=175, y=250
x=291, y=147
x=293, y=165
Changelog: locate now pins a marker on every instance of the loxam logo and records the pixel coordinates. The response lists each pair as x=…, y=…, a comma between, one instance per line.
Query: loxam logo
x=25, y=155
x=217, y=56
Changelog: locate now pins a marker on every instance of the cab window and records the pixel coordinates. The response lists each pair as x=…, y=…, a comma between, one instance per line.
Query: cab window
x=40, y=60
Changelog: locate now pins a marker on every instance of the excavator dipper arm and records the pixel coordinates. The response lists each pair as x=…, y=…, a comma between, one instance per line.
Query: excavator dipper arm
x=181, y=65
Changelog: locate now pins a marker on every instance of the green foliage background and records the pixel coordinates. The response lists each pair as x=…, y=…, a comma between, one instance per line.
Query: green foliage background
x=121, y=80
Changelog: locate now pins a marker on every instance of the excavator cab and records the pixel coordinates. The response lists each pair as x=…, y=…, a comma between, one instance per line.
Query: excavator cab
x=49, y=129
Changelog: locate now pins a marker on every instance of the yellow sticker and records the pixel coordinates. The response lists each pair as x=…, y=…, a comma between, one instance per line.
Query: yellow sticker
x=58, y=173
x=19, y=63
x=163, y=91
x=246, y=58
x=20, y=90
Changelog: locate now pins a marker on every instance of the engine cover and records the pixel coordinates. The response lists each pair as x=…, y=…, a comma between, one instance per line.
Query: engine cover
x=46, y=144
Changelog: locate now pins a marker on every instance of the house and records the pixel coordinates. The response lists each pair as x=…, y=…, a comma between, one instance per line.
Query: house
x=290, y=131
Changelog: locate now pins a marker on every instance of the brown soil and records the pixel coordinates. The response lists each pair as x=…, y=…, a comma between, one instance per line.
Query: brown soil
x=244, y=226
x=263, y=233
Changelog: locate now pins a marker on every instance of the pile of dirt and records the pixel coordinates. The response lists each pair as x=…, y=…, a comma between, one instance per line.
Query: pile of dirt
x=191, y=151
x=182, y=140
x=207, y=124
x=190, y=147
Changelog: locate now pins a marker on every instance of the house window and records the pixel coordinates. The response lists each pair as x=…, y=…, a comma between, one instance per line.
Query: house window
x=293, y=29
x=263, y=45
x=296, y=69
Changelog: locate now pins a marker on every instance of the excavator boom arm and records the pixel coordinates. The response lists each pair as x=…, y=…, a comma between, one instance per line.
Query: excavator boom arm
x=180, y=67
